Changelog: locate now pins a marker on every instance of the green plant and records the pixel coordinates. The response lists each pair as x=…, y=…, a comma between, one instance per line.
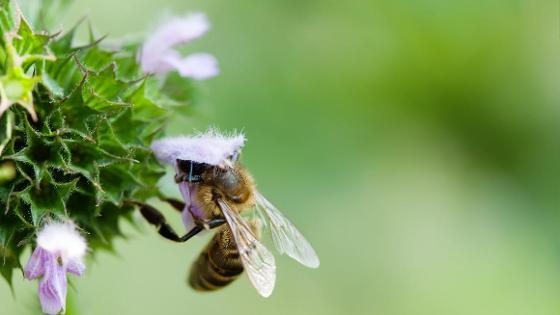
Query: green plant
x=75, y=128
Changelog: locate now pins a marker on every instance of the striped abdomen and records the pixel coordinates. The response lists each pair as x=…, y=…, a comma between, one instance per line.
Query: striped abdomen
x=218, y=264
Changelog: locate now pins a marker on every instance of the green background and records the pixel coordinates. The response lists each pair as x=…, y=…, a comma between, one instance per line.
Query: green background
x=415, y=143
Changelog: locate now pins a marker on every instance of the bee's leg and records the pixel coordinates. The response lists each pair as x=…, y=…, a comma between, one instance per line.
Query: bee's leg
x=207, y=224
x=214, y=223
x=175, y=203
x=156, y=218
x=202, y=226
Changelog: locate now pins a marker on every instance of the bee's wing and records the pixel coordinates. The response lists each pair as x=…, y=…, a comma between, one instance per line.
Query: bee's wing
x=257, y=260
x=285, y=235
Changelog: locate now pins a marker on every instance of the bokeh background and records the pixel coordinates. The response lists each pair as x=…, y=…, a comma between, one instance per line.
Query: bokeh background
x=415, y=143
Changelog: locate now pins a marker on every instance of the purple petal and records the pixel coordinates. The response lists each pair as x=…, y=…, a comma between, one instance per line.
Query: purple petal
x=36, y=265
x=180, y=30
x=199, y=66
x=188, y=220
x=75, y=267
x=52, y=288
x=175, y=31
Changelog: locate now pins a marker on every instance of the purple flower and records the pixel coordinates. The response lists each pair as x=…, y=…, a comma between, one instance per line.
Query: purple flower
x=188, y=190
x=210, y=147
x=60, y=249
x=158, y=56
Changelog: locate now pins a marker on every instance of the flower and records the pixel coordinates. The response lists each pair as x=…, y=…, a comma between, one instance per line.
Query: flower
x=60, y=249
x=210, y=147
x=157, y=55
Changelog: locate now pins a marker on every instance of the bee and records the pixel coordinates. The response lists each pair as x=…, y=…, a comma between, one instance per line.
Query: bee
x=218, y=193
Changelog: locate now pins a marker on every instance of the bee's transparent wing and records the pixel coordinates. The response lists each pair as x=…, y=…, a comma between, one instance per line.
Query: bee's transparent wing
x=285, y=235
x=257, y=260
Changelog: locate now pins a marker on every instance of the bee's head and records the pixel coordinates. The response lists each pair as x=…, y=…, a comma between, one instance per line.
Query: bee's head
x=229, y=178
x=190, y=171
x=194, y=172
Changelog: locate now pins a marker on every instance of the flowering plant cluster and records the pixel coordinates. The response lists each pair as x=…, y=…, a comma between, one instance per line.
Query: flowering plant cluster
x=76, y=124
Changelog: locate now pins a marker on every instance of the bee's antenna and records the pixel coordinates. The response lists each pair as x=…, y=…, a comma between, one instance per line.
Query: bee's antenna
x=190, y=172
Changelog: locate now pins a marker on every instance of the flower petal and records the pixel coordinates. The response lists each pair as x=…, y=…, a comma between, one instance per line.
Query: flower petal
x=75, y=267
x=185, y=190
x=173, y=32
x=211, y=147
x=199, y=66
x=62, y=238
x=52, y=288
x=180, y=30
x=35, y=267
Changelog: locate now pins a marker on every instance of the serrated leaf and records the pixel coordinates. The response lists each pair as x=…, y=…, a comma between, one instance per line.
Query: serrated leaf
x=117, y=182
x=126, y=129
x=105, y=83
x=127, y=65
x=44, y=198
x=28, y=42
x=95, y=59
x=144, y=108
x=63, y=73
x=41, y=152
x=79, y=117
x=97, y=102
x=102, y=91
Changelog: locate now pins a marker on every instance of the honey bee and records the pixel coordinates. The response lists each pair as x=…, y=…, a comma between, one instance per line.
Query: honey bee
x=218, y=193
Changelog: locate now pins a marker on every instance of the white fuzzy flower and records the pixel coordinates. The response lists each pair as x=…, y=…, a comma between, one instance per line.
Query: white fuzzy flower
x=157, y=55
x=62, y=239
x=210, y=147
x=60, y=249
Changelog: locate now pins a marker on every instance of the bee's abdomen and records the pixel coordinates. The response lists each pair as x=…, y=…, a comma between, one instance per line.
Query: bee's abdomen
x=218, y=265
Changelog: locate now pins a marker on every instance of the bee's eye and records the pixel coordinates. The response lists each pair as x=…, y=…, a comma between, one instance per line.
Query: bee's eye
x=234, y=156
x=192, y=170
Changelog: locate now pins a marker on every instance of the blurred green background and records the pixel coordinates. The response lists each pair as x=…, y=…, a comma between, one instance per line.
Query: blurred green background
x=415, y=143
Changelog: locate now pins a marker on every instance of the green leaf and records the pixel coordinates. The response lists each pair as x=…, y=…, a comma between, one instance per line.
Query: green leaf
x=63, y=73
x=102, y=91
x=117, y=182
x=7, y=23
x=144, y=108
x=6, y=126
x=96, y=59
x=48, y=196
x=27, y=42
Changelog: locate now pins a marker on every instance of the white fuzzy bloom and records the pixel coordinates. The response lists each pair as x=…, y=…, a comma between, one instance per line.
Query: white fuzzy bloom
x=60, y=250
x=158, y=56
x=210, y=147
x=62, y=239
x=199, y=66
